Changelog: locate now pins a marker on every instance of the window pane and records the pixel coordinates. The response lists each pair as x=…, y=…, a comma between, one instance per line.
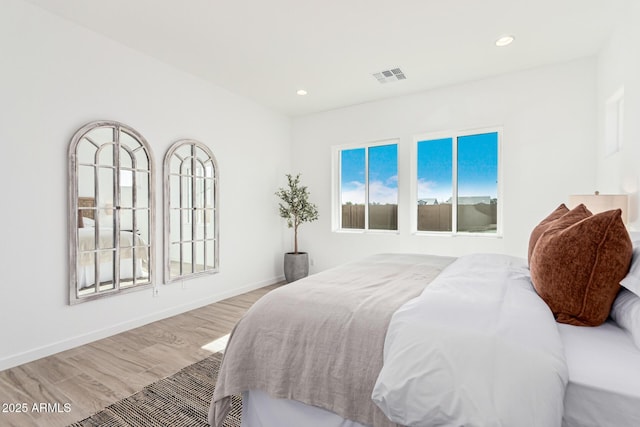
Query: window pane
x=143, y=221
x=478, y=183
x=105, y=187
x=435, y=188
x=199, y=256
x=210, y=254
x=106, y=270
x=126, y=193
x=200, y=225
x=383, y=187
x=199, y=193
x=187, y=225
x=142, y=184
x=142, y=265
x=142, y=160
x=352, y=187
x=126, y=161
x=209, y=225
x=187, y=260
x=174, y=226
x=86, y=181
x=174, y=260
x=86, y=152
x=105, y=155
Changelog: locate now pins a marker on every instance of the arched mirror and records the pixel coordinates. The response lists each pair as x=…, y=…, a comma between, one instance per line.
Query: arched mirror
x=191, y=211
x=111, y=201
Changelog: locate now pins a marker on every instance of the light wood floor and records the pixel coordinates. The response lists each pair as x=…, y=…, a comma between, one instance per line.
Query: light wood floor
x=93, y=376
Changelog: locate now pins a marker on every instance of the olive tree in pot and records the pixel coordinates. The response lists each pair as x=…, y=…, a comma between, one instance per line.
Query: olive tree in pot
x=296, y=208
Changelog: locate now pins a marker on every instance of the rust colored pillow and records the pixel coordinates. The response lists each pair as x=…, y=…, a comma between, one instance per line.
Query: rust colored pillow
x=574, y=215
x=577, y=268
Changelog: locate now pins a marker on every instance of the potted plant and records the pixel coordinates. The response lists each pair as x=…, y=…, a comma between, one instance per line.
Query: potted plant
x=296, y=208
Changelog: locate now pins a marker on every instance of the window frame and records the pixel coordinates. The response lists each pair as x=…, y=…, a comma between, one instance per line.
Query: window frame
x=413, y=182
x=336, y=173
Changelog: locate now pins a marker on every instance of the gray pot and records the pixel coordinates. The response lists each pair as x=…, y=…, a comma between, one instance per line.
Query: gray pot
x=296, y=266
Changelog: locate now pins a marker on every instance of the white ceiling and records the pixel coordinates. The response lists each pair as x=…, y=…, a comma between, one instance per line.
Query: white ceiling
x=267, y=49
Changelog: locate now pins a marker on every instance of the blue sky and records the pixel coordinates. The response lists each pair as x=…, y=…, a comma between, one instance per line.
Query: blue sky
x=383, y=174
x=434, y=169
x=477, y=167
x=477, y=170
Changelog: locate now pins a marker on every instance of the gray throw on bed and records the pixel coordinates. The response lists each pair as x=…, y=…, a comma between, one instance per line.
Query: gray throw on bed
x=320, y=340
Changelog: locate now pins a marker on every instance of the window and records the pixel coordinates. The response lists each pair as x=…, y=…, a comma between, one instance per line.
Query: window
x=457, y=183
x=368, y=187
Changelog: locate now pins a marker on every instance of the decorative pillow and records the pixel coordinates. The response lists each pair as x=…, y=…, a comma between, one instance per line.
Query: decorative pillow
x=577, y=267
x=626, y=313
x=576, y=214
x=632, y=280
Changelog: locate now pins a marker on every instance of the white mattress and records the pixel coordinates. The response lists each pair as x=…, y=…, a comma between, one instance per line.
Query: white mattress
x=603, y=390
x=604, y=377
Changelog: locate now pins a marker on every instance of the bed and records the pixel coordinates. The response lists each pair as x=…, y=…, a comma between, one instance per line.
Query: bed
x=423, y=340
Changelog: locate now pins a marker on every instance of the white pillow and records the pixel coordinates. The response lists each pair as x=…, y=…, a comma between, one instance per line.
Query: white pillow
x=632, y=279
x=625, y=311
x=87, y=222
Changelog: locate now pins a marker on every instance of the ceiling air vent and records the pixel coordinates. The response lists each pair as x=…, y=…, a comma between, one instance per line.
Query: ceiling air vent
x=392, y=75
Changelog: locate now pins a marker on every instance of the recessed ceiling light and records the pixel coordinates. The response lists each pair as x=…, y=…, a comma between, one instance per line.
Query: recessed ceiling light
x=505, y=40
x=301, y=92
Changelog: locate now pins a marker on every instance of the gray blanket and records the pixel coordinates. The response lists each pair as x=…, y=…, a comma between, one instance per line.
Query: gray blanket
x=320, y=340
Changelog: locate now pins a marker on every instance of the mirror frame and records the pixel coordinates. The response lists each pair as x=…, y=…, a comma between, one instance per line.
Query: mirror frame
x=74, y=220
x=167, y=211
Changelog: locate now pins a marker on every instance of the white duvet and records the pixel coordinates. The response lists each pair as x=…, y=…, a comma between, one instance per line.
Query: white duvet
x=477, y=348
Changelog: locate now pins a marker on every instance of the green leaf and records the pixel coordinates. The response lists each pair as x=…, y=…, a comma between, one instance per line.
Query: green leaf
x=295, y=206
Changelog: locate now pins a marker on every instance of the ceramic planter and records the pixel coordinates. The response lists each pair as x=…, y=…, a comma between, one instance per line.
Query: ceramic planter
x=296, y=266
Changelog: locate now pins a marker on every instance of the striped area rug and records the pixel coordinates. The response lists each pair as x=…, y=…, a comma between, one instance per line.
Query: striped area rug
x=180, y=400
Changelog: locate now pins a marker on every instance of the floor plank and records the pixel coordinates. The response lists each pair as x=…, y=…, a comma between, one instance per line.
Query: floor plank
x=95, y=375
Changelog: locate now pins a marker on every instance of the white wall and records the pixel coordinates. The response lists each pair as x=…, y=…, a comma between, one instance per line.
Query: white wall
x=619, y=66
x=548, y=117
x=55, y=77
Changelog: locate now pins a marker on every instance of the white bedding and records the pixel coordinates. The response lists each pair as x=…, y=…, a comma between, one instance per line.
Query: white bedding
x=603, y=388
x=320, y=339
x=603, y=373
x=477, y=348
x=604, y=377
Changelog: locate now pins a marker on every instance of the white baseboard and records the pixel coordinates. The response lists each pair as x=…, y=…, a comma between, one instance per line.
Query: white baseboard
x=53, y=348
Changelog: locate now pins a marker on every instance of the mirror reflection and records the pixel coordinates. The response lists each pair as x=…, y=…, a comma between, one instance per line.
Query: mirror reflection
x=191, y=211
x=110, y=189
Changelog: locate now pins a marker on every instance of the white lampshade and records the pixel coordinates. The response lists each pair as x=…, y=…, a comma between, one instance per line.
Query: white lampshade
x=597, y=203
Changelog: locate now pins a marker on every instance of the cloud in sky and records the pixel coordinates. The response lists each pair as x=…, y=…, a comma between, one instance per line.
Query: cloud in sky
x=379, y=192
x=353, y=192
x=383, y=193
x=429, y=190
